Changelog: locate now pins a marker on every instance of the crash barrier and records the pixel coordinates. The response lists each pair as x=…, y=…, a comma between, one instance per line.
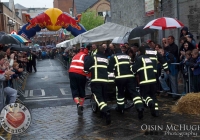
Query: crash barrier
x=18, y=84
x=2, y=99
x=63, y=61
x=186, y=79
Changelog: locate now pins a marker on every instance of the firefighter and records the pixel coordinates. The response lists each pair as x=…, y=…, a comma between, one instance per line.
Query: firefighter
x=97, y=65
x=94, y=49
x=147, y=80
x=77, y=78
x=124, y=79
x=155, y=57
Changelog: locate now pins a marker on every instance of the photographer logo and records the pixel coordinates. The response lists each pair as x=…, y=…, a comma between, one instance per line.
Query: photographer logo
x=15, y=118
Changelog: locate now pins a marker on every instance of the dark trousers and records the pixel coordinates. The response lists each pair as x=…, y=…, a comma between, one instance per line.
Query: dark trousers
x=100, y=95
x=130, y=85
x=77, y=84
x=33, y=64
x=148, y=93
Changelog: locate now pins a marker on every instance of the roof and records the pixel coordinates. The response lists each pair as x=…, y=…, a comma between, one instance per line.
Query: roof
x=104, y=32
x=6, y=4
x=83, y=5
x=19, y=6
x=97, y=2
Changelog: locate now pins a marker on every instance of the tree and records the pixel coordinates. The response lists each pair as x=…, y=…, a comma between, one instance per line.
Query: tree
x=90, y=20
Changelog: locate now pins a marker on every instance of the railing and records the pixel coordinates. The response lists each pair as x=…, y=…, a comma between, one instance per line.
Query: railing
x=187, y=84
x=17, y=84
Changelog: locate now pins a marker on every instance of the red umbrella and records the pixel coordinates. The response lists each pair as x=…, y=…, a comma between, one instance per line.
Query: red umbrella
x=164, y=23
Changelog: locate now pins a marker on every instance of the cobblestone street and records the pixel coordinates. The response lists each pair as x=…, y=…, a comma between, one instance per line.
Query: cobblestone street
x=62, y=122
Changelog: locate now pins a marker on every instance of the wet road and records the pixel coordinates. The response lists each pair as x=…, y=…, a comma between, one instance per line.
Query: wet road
x=54, y=115
x=48, y=87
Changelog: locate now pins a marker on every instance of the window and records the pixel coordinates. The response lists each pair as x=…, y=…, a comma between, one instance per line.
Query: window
x=100, y=13
x=104, y=13
x=71, y=11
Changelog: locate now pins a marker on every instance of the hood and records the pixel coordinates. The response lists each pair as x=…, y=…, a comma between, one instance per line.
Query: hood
x=84, y=50
x=185, y=29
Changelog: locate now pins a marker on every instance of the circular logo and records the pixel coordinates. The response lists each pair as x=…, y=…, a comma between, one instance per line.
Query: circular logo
x=15, y=118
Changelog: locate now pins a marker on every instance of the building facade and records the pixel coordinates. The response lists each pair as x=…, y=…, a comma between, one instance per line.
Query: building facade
x=132, y=13
x=101, y=7
x=9, y=20
x=64, y=5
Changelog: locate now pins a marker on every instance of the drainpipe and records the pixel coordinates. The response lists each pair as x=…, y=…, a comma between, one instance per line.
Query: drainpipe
x=176, y=13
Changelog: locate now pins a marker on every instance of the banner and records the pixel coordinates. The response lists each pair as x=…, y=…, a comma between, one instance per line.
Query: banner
x=149, y=7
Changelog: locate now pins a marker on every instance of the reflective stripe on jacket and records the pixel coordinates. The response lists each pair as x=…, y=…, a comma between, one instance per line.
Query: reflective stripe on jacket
x=98, y=70
x=77, y=64
x=144, y=67
x=120, y=64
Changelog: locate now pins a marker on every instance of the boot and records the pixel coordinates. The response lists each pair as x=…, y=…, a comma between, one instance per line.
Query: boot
x=119, y=110
x=140, y=113
x=154, y=113
x=107, y=117
x=80, y=109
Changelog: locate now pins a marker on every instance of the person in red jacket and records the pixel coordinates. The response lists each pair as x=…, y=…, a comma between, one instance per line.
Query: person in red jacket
x=77, y=78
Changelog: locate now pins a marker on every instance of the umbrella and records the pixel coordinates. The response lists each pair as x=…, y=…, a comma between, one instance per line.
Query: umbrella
x=19, y=38
x=49, y=46
x=8, y=39
x=16, y=47
x=119, y=40
x=164, y=23
x=139, y=32
x=32, y=48
x=2, y=33
x=36, y=45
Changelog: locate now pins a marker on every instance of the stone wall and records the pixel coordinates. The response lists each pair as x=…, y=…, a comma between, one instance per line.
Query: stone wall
x=132, y=13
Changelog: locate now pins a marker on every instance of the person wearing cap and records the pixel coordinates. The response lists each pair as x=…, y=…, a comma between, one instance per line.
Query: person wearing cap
x=77, y=77
x=97, y=65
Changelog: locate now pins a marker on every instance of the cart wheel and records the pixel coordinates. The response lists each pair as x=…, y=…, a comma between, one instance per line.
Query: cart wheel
x=94, y=105
x=128, y=104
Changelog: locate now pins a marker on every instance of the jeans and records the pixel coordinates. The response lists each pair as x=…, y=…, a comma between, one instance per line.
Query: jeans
x=173, y=82
x=11, y=94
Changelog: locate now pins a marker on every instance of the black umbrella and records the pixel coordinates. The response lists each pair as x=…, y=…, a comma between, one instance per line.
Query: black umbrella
x=15, y=47
x=2, y=33
x=139, y=32
x=8, y=39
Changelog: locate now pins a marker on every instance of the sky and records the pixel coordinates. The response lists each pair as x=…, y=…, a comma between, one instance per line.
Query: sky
x=33, y=3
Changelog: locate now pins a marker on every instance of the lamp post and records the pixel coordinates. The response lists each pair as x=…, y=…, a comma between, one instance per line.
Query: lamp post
x=11, y=23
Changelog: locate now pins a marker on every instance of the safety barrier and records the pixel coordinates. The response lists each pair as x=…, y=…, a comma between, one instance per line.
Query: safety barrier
x=18, y=84
x=187, y=82
x=63, y=62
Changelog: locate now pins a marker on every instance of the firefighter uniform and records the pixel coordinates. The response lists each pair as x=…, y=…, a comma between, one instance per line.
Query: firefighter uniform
x=78, y=79
x=155, y=58
x=124, y=79
x=94, y=52
x=97, y=65
x=147, y=79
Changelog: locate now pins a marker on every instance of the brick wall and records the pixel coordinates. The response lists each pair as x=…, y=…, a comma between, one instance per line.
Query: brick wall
x=63, y=5
x=101, y=6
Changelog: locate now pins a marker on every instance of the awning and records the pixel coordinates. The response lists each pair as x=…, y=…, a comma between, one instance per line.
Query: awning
x=20, y=38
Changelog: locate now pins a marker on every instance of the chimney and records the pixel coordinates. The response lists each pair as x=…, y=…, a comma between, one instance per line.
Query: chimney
x=11, y=4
